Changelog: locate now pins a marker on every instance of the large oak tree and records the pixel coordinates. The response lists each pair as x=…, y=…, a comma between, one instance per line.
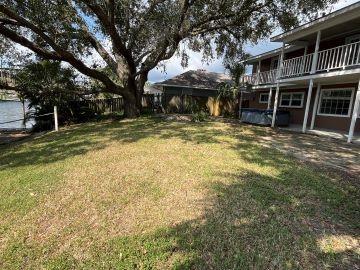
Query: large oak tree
x=134, y=36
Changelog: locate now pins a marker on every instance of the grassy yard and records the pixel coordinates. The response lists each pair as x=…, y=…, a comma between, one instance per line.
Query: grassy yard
x=150, y=194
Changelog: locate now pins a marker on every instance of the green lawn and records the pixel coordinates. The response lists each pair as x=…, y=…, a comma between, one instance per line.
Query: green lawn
x=150, y=194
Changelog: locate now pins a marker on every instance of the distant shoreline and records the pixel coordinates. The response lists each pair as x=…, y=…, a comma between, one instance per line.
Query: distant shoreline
x=7, y=100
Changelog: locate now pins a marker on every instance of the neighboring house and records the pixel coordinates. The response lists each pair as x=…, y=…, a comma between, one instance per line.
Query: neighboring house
x=194, y=82
x=315, y=75
x=152, y=89
x=198, y=87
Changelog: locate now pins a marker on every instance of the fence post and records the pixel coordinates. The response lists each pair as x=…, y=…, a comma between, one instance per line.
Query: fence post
x=56, y=119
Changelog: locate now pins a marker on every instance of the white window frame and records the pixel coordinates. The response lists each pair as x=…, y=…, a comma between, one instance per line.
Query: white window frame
x=349, y=40
x=334, y=89
x=291, y=94
x=263, y=94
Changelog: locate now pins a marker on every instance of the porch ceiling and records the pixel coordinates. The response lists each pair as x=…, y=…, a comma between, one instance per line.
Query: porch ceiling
x=335, y=19
x=343, y=29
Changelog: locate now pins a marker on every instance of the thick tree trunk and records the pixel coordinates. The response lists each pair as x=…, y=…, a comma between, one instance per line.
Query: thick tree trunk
x=133, y=95
x=132, y=106
x=131, y=110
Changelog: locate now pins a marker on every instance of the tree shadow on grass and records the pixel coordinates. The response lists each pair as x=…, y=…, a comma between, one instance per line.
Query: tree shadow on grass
x=78, y=140
x=254, y=222
x=298, y=217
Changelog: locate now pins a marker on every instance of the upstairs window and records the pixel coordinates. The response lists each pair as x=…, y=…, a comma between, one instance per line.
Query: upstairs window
x=292, y=99
x=264, y=98
x=335, y=102
x=274, y=63
x=352, y=39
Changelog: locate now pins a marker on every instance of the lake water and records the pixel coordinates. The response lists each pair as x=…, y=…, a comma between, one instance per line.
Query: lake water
x=13, y=110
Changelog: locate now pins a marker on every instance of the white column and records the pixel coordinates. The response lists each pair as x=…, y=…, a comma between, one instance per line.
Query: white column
x=56, y=119
x=304, y=58
x=354, y=114
x=316, y=53
x=278, y=85
x=240, y=104
x=275, y=105
x=308, y=100
x=270, y=97
x=315, y=107
x=258, y=73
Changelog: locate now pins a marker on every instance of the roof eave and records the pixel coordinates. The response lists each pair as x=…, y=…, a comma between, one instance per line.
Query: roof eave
x=268, y=54
x=320, y=24
x=186, y=86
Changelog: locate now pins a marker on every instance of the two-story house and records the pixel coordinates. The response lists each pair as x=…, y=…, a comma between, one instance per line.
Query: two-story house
x=314, y=75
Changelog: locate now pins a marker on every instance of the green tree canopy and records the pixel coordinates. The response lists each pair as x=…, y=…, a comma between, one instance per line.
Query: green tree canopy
x=134, y=36
x=47, y=84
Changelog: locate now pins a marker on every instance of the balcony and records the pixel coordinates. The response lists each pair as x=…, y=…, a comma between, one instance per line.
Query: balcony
x=337, y=58
x=267, y=77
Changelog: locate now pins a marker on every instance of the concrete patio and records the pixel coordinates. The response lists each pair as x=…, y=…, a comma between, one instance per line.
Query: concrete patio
x=324, y=133
x=324, y=148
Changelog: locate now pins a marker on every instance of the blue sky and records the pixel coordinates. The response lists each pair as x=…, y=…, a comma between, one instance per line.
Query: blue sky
x=173, y=66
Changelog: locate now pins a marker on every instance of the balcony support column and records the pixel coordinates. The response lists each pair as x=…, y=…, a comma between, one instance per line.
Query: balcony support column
x=316, y=102
x=258, y=73
x=354, y=115
x=303, y=60
x=269, y=99
x=308, y=100
x=278, y=86
x=316, y=53
x=240, y=103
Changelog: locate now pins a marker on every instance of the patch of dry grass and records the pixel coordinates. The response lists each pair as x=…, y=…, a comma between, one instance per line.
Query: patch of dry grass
x=151, y=194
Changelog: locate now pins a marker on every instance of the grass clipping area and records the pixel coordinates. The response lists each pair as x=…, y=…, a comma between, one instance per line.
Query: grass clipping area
x=152, y=194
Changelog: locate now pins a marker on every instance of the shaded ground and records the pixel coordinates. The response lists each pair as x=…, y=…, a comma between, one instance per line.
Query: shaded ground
x=12, y=136
x=335, y=153
x=151, y=194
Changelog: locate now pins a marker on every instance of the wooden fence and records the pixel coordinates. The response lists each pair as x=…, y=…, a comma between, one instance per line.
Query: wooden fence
x=107, y=105
x=167, y=103
x=185, y=104
x=110, y=105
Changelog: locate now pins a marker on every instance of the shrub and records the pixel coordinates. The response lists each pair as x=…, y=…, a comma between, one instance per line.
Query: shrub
x=47, y=84
x=200, y=116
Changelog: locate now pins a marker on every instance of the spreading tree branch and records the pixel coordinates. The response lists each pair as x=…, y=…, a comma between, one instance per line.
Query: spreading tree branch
x=58, y=54
x=110, y=28
x=94, y=41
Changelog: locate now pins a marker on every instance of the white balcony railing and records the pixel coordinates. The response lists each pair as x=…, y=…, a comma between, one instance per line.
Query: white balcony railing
x=267, y=77
x=339, y=57
x=297, y=66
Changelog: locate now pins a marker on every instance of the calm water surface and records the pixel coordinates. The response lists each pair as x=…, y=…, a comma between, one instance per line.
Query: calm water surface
x=13, y=110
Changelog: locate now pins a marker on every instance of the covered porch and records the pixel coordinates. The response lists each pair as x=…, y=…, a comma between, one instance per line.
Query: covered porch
x=316, y=84
x=329, y=133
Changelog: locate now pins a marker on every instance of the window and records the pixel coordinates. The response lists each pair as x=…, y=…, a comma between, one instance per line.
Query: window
x=274, y=63
x=292, y=100
x=335, y=102
x=264, y=98
x=352, y=39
